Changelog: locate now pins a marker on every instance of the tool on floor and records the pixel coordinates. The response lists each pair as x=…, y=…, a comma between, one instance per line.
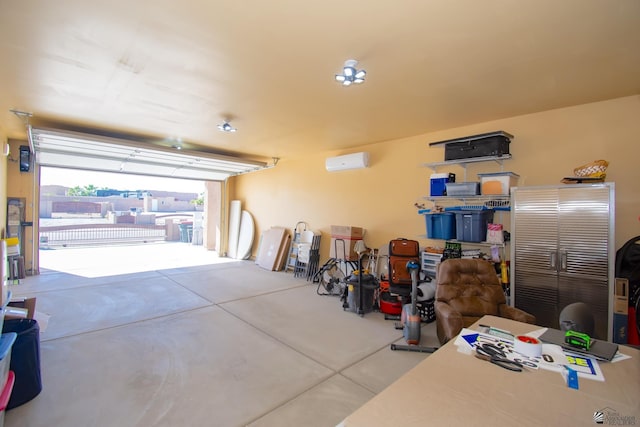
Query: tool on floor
x=410, y=316
x=360, y=250
x=362, y=290
x=416, y=348
x=330, y=279
x=390, y=304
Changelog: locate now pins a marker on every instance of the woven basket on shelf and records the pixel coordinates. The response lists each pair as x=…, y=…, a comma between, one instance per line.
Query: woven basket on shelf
x=595, y=169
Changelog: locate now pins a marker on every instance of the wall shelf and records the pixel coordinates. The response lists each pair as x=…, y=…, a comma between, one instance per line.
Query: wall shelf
x=500, y=245
x=463, y=162
x=499, y=202
x=484, y=244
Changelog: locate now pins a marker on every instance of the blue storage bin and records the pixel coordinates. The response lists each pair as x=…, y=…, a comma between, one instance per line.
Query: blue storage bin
x=471, y=226
x=441, y=225
x=6, y=342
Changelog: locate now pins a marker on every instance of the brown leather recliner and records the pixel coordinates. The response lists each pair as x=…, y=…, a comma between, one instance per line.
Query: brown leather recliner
x=466, y=290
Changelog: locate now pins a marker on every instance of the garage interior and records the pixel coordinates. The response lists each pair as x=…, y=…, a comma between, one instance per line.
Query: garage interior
x=232, y=342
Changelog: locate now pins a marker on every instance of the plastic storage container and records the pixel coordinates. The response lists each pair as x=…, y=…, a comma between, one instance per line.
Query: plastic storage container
x=438, y=183
x=430, y=263
x=25, y=360
x=6, y=342
x=463, y=188
x=497, y=183
x=471, y=226
x=5, y=394
x=441, y=225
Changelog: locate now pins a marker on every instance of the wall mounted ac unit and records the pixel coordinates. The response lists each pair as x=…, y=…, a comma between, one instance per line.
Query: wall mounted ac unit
x=348, y=161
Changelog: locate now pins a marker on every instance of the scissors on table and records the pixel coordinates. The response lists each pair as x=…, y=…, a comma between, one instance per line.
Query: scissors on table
x=496, y=355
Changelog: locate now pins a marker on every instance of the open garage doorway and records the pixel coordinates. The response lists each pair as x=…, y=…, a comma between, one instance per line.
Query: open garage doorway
x=123, y=156
x=95, y=223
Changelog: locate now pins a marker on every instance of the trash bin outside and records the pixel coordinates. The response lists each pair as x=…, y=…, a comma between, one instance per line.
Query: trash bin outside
x=25, y=360
x=186, y=232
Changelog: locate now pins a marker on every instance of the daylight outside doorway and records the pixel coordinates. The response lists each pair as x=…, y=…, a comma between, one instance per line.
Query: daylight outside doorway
x=99, y=223
x=115, y=260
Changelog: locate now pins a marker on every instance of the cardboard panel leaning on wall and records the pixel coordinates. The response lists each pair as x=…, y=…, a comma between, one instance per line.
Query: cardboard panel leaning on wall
x=547, y=146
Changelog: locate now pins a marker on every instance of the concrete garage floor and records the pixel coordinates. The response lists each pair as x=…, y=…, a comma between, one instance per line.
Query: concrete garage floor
x=172, y=335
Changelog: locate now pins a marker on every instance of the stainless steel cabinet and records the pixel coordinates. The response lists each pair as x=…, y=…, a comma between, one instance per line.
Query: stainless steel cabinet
x=563, y=250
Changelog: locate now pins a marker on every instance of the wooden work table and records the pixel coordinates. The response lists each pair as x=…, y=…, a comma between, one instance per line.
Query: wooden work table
x=454, y=388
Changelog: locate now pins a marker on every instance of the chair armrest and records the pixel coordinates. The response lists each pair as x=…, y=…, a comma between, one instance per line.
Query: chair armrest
x=513, y=313
x=448, y=321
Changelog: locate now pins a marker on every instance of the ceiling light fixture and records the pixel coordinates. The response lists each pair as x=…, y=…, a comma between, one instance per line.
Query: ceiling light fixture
x=176, y=142
x=226, y=127
x=350, y=74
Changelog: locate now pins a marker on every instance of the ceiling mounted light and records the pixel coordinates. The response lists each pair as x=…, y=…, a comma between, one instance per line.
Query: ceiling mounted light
x=226, y=127
x=350, y=74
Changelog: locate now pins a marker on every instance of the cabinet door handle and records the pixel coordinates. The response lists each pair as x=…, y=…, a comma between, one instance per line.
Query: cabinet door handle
x=563, y=260
x=553, y=260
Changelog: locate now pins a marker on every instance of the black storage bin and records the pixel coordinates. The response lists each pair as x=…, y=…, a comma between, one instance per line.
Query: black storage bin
x=482, y=145
x=25, y=360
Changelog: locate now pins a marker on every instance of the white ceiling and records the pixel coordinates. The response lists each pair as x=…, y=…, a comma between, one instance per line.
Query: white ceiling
x=169, y=70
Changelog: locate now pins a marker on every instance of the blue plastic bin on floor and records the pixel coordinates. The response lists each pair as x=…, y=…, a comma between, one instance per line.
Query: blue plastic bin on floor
x=441, y=225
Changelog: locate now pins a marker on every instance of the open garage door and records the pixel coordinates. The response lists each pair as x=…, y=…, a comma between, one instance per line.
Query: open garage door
x=76, y=150
x=86, y=151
